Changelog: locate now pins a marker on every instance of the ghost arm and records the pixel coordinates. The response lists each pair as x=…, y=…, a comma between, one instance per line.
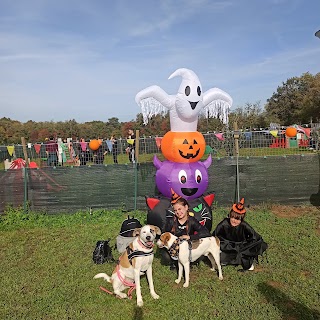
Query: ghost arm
x=153, y=101
x=217, y=104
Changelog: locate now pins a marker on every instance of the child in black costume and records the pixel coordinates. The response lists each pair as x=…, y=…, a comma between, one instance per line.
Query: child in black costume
x=240, y=244
x=182, y=224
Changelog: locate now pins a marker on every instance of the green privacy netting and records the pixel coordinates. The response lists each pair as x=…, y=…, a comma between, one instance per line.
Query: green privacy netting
x=276, y=179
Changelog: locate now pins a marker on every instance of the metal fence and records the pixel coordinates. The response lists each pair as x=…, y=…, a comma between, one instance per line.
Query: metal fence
x=219, y=145
x=272, y=169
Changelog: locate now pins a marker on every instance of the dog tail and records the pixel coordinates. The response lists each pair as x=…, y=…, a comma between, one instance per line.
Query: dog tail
x=102, y=275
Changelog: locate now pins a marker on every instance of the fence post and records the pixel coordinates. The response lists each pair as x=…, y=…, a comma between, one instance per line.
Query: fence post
x=25, y=174
x=236, y=135
x=136, y=169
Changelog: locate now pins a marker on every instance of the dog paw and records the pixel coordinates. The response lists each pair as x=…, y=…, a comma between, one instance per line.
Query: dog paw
x=140, y=303
x=177, y=281
x=155, y=296
x=213, y=269
x=221, y=278
x=121, y=295
x=186, y=285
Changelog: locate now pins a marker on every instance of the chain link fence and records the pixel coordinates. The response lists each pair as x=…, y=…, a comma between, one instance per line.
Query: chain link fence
x=270, y=169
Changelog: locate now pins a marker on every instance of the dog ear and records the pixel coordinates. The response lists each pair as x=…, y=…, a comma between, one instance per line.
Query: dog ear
x=166, y=236
x=156, y=229
x=136, y=232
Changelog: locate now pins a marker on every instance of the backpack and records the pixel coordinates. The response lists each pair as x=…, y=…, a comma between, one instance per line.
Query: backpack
x=125, y=236
x=102, y=252
x=128, y=226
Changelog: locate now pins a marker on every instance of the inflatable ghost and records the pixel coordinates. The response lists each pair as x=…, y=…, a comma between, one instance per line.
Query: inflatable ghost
x=188, y=180
x=184, y=107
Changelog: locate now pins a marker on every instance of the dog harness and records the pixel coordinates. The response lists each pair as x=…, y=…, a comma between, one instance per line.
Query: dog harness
x=137, y=253
x=174, y=249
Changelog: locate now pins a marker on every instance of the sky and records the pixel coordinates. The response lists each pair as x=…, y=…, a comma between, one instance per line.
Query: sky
x=86, y=60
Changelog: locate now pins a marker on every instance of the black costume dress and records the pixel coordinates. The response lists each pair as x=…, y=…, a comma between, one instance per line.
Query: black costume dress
x=239, y=245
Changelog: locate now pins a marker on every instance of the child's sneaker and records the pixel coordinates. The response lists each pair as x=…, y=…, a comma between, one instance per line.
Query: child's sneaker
x=251, y=268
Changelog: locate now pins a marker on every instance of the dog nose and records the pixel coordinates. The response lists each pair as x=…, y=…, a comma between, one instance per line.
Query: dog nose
x=148, y=238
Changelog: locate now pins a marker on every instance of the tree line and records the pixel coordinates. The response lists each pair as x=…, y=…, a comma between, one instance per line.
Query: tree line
x=296, y=101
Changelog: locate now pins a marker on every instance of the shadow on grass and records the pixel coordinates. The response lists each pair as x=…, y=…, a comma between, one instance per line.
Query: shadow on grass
x=138, y=314
x=290, y=309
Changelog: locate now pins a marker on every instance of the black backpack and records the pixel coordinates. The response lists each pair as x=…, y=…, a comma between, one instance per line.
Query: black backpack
x=102, y=252
x=128, y=226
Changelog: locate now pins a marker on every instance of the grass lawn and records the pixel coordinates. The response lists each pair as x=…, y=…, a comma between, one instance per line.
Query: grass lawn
x=47, y=271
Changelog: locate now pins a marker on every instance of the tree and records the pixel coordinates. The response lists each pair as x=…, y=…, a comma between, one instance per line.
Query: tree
x=250, y=116
x=296, y=101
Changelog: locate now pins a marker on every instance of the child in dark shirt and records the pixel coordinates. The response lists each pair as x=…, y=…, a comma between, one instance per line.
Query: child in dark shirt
x=182, y=224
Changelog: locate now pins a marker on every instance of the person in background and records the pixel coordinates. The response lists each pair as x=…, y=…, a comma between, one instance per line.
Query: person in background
x=98, y=155
x=240, y=244
x=114, y=142
x=83, y=152
x=131, y=145
x=52, y=152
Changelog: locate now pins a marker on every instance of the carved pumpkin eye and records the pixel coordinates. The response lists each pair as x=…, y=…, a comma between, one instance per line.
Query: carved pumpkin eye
x=187, y=90
x=198, y=176
x=195, y=142
x=182, y=176
x=199, y=91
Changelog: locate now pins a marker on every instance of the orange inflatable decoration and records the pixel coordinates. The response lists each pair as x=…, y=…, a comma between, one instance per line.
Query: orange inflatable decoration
x=291, y=132
x=183, y=147
x=94, y=144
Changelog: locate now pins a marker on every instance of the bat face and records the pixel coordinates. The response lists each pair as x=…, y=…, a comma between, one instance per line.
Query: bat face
x=189, y=180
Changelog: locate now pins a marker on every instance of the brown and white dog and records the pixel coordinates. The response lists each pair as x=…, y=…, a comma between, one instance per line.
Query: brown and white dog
x=209, y=247
x=133, y=263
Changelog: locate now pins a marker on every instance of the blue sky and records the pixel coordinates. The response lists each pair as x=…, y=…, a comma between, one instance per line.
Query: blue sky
x=86, y=60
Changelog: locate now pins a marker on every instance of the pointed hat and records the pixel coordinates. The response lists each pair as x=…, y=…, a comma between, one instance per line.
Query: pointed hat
x=239, y=207
x=175, y=197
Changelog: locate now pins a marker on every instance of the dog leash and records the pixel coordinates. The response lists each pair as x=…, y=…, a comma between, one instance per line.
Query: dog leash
x=131, y=285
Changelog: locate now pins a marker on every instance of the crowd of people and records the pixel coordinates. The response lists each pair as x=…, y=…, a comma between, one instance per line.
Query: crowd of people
x=78, y=152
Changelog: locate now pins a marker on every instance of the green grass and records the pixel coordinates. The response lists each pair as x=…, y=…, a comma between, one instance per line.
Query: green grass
x=47, y=272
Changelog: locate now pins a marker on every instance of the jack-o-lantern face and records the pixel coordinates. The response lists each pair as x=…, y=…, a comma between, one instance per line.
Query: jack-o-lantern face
x=183, y=147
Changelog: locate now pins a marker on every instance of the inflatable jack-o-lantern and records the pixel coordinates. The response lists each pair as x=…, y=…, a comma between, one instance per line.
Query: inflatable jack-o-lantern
x=183, y=147
x=291, y=132
x=94, y=144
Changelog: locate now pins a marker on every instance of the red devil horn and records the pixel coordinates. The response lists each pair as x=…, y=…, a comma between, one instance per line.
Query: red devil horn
x=209, y=199
x=152, y=202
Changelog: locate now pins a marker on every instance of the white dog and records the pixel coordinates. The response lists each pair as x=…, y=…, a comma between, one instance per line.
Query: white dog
x=133, y=263
x=209, y=247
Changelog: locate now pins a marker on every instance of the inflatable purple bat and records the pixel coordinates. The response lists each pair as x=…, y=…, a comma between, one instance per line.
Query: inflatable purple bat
x=189, y=180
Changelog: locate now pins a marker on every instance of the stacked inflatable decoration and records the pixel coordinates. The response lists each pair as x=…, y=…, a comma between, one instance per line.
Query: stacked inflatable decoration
x=183, y=146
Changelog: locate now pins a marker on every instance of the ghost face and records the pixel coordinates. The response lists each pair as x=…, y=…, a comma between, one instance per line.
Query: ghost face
x=189, y=99
x=189, y=180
